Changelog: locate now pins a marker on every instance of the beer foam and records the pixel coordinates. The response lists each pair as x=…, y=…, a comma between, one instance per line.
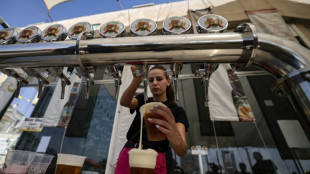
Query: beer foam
x=145, y=108
x=71, y=160
x=142, y=158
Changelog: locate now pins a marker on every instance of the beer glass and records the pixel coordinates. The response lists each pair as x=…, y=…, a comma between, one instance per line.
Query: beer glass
x=153, y=133
x=67, y=163
x=142, y=161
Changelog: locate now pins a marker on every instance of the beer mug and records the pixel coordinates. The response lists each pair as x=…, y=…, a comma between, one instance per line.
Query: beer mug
x=142, y=161
x=67, y=163
x=153, y=133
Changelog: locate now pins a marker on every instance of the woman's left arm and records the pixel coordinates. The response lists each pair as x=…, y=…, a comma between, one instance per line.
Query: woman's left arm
x=175, y=132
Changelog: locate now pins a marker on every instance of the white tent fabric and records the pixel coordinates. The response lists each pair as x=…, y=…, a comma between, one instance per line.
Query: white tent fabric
x=52, y=3
x=122, y=121
x=7, y=89
x=54, y=109
x=220, y=96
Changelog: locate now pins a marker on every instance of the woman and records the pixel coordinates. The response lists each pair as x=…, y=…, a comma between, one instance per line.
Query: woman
x=174, y=127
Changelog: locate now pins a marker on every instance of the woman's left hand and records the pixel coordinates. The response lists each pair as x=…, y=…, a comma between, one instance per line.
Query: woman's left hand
x=168, y=126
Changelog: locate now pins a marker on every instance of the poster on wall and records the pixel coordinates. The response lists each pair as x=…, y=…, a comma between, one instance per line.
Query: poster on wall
x=240, y=100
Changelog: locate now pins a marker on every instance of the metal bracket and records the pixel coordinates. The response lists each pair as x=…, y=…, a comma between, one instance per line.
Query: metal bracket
x=250, y=45
x=81, y=53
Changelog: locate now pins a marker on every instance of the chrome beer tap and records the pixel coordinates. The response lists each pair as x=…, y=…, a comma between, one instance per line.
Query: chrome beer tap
x=206, y=74
x=20, y=79
x=58, y=72
x=143, y=71
x=145, y=80
x=116, y=73
x=42, y=79
x=176, y=68
x=88, y=74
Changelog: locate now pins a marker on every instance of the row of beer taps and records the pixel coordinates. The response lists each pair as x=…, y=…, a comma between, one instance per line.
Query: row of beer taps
x=204, y=72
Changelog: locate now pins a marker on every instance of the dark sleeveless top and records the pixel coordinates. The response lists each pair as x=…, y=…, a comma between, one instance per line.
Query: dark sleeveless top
x=133, y=133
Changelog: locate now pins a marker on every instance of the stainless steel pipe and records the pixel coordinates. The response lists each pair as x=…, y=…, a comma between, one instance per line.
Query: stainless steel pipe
x=185, y=48
x=285, y=60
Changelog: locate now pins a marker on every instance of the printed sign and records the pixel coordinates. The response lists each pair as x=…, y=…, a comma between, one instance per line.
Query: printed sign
x=32, y=124
x=199, y=150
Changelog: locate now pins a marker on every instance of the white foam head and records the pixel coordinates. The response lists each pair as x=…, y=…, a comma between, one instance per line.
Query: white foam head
x=142, y=158
x=145, y=108
x=70, y=160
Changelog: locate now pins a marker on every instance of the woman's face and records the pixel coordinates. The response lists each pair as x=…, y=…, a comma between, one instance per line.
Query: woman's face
x=158, y=82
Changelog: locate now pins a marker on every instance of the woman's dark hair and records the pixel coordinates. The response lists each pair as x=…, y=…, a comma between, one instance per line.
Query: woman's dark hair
x=170, y=90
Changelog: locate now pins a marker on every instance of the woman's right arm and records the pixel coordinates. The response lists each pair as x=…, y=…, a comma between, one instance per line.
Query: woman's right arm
x=127, y=98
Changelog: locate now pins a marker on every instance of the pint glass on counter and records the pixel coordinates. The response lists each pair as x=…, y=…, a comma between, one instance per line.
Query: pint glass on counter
x=152, y=132
x=67, y=163
x=142, y=161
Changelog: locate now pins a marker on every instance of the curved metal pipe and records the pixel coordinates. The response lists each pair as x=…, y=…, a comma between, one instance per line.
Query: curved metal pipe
x=284, y=59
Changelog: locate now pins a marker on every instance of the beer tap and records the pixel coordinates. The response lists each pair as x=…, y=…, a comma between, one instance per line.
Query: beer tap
x=143, y=71
x=20, y=79
x=145, y=80
x=89, y=75
x=42, y=79
x=207, y=72
x=58, y=72
x=176, y=68
x=115, y=72
x=69, y=71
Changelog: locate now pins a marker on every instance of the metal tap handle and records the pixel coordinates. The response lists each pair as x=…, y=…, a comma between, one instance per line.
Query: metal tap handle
x=63, y=87
x=88, y=84
x=58, y=72
x=19, y=85
x=145, y=80
x=117, y=82
x=41, y=84
x=176, y=92
x=176, y=68
x=209, y=69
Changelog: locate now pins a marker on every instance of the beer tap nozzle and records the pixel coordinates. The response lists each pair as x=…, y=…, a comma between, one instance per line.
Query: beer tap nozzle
x=114, y=71
x=176, y=68
x=63, y=87
x=208, y=70
x=18, y=86
x=145, y=80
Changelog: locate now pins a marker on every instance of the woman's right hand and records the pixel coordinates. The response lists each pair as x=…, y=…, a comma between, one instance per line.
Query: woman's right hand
x=136, y=73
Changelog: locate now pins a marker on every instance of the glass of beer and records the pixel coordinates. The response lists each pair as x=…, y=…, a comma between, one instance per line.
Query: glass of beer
x=153, y=133
x=142, y=161
x=67, y=163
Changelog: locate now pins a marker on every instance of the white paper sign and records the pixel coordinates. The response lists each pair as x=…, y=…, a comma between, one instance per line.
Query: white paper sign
x=32, y=124
x=199, y=150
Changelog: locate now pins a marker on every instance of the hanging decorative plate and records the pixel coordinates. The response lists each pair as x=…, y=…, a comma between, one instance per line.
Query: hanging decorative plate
x=112, y=29
x=56, y=32
x=211, y=23
x=176, y=25
x=80, y=27
x=8, y=36
x=30, y=34
x=143, y=27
